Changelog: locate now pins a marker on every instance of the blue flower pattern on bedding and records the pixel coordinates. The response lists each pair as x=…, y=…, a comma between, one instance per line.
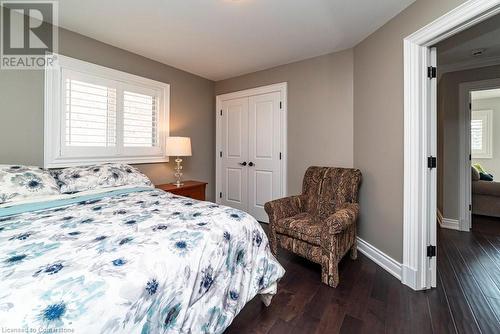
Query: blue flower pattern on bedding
x=76, y=179
x=22, y=182
x=140, y=262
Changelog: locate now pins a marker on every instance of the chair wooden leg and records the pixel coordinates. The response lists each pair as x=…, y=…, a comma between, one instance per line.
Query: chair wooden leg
x=330, y=274
x=273, y=241
x=354, y=250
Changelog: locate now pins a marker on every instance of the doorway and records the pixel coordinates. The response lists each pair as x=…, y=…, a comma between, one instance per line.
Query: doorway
x=478, y=134
x=251, y=148
x=419, y=209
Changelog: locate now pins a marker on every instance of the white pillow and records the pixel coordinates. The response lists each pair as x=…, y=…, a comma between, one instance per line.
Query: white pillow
x=19, y=183
x=76, y=179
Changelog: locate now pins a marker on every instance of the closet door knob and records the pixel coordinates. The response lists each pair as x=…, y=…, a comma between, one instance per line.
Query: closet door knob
x=244, y=163
x=251, y=164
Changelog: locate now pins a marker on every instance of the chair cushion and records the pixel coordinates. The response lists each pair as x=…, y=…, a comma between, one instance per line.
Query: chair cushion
x=301, y=226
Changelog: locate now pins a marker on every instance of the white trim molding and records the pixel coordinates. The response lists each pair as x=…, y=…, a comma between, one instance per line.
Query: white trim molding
x=392, y=266
x=439, y=216
x=417, y=271
x=451, y=224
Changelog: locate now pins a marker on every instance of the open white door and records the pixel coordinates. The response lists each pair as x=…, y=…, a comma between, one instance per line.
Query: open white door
x=432, y=170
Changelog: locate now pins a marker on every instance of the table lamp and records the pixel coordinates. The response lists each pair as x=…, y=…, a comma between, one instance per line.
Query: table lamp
x=178, y=147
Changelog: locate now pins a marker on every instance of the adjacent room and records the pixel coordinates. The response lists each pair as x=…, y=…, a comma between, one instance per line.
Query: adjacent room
x=249, y=166
x=468, y=204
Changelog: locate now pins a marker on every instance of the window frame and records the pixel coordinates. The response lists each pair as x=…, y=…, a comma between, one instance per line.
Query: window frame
x=57, y=155
x=487, y=136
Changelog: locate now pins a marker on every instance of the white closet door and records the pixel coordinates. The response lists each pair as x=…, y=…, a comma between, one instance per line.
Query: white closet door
x=264, y=180
x=235, y=153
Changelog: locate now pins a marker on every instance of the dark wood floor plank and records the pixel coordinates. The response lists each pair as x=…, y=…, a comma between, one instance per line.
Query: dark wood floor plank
x=472, y=261
x=351, y=325
x=439, y=308
x=398, y=310
x=332, y=319
x=464, y=318
x=476, y=283
x=370, y=300
x=480, y=256
x=420, y=320
x=489, y=248
x=482, y=314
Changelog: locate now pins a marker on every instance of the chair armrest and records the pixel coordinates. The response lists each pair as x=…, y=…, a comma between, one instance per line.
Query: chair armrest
x=284, y=207
x=341, y=219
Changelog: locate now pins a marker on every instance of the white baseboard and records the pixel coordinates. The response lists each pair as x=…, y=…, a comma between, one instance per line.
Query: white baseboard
x=451, y=224
x=392, y=266
x=439, y=217
x=409, y=277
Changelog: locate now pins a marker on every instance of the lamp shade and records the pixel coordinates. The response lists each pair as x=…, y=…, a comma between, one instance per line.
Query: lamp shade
x=179, y=146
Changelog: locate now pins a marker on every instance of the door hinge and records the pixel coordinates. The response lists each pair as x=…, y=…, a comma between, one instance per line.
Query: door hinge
x=220, y=194
x=431, y=251
x=431, y=162
x=281, y=105
x=221, y=112
x=220, y=154
x=470, y=106
x=280, y=155
x=470, y=157
x=431, y=72
x=470, y=207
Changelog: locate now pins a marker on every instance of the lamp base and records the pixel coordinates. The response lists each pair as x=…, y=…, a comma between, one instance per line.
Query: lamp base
x=178, y=184
x=178, y=173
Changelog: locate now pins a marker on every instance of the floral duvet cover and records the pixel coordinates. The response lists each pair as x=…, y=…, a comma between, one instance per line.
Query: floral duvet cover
x=130, y=261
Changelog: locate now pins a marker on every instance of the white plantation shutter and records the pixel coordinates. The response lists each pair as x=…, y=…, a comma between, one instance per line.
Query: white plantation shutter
x=98, y=114
x=476, y=130
x=90, y=114
x=481, y=134
x=140, y=118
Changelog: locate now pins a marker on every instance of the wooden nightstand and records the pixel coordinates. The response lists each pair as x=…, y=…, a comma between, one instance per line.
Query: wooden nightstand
x=191, y=189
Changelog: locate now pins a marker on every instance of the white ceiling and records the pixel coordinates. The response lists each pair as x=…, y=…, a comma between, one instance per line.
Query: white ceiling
x=458, y=49
x=486, y=94
x=219, y=39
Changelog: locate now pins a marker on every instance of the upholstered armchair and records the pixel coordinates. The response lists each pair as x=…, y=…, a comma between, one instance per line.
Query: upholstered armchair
x=320, y=224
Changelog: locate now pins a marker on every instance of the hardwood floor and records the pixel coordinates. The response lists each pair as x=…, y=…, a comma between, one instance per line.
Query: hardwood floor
x=369, y=300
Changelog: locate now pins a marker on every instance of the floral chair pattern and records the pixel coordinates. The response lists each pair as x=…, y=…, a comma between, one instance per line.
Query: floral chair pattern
x=319, y=224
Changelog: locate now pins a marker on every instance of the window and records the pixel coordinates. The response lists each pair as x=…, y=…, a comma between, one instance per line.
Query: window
x=96, y=114
x=481, y=134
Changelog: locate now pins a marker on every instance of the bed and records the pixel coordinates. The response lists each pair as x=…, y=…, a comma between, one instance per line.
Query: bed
x=129, y=259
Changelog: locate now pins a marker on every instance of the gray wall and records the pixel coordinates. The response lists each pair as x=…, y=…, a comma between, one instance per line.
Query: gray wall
x=491, y=165
x=191, y=108
x=378, y=123
x=448, y=135
x=320, y=124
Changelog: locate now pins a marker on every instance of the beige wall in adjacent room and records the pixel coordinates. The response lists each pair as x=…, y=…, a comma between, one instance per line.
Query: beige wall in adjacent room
x=378, y=124
x=320, y=124
x=191, y=108
x=448, y=135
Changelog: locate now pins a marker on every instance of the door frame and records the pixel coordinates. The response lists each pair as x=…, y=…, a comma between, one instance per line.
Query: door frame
x=278, y=87
x=464, y=119
x=417, y=271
